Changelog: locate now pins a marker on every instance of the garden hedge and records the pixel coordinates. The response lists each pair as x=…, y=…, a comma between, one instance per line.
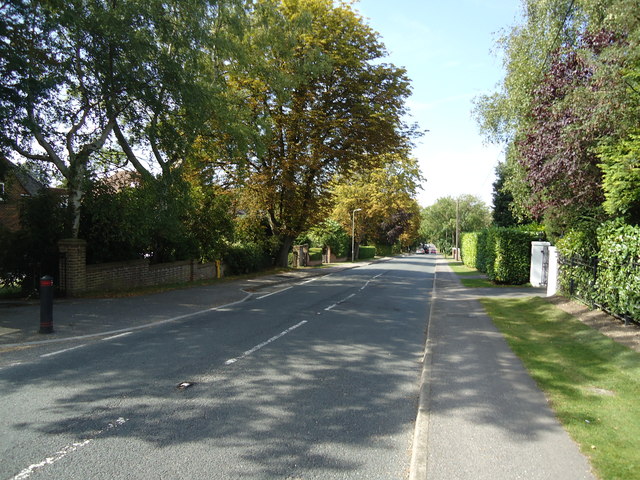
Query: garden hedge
x=365, y=252
x=504, y=254
x=618, y=270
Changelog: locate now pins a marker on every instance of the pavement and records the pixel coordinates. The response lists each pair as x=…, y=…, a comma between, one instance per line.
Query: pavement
x=480, y=414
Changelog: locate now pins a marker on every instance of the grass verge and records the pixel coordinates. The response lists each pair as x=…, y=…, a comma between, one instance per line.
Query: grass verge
x=592, y=382
x=464, y=272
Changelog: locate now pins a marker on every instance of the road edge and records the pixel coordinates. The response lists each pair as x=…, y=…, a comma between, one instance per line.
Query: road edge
x=419, y=454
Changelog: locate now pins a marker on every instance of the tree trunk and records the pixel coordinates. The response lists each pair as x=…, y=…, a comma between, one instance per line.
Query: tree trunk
x=76, y=193
x=282, y=260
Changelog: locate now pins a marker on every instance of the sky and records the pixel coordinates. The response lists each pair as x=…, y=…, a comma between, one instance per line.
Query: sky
x=449, y=52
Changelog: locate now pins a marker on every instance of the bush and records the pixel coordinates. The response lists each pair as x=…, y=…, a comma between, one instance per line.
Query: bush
x=618, y=278
x=366, y=252
x=329, y=234
x=504, y=254
x=469, y=246
x=578, y=248
x=389, y=250
x=245, y=258
x=512, y=262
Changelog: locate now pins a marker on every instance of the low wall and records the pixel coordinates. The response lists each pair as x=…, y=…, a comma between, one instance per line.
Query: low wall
x=140, y=273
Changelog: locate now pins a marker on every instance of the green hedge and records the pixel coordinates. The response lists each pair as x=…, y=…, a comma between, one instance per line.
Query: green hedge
x=512, y=261
x=601, y=265
x=365, y=252
x=578, y=248
x=469, y=246
x=388, y=250
x=618, y=273
x=243, y=258
x=504, y=254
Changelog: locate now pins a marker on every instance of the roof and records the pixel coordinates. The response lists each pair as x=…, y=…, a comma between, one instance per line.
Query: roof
x=28, y=182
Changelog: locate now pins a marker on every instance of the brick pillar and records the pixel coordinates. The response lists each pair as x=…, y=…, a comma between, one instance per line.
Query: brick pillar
x=73, y=262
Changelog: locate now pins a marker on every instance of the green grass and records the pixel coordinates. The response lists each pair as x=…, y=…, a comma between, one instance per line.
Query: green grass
x=592, y=382
x=463, y=272
x=461, y=269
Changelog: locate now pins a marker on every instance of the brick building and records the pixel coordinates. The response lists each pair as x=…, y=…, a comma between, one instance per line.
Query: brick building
x=15, y=184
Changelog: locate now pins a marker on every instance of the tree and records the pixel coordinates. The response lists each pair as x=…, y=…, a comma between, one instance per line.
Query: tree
x=502, y=200
x=438, y=223
x=621, y=178
x=321, y=104
x=76, y=72
x=569, y=88
x=50, y=103
x=386, y=195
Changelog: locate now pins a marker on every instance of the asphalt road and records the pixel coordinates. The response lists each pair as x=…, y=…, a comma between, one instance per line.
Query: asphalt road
x=317, y=380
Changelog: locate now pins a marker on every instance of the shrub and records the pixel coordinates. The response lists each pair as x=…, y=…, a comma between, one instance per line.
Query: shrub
x=578, y=249
x=469, y=245
x=332, y=235
x=243, y=258
x=366, y=252
x=512, y=261
x=504, y=254
x=618, y=278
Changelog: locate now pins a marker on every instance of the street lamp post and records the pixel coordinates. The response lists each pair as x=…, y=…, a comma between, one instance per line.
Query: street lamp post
x=353, y=233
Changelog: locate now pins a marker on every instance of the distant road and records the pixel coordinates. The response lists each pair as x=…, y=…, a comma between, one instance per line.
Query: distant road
x=315, y=381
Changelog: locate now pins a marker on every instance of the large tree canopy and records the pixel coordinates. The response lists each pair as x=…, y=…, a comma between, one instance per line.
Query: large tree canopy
x=322, y=103
x=75, y=72
x=389, y=213
x=569, y=101
x=440, y=220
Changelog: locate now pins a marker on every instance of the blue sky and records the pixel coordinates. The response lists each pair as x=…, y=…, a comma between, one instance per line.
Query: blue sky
x=448, y=49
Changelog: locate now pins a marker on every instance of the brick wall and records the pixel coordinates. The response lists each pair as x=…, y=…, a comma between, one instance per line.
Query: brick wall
x=140, y=273
x=10, y=203
x=79, y=277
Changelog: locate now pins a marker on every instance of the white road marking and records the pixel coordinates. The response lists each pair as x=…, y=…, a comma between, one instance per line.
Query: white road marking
x=60, y=454
x=341, y=301
x=117, y=336
x=265, y=343
x=220, y=308
x=62, y=351
x=272, y=293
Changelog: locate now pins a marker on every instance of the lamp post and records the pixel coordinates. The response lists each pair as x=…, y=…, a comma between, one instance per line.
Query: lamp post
x=353, y=233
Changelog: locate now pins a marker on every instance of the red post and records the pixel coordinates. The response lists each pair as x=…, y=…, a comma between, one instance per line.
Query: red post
x=46, y=304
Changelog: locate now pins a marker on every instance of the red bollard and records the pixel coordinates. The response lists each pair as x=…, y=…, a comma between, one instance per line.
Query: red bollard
x=46, y=304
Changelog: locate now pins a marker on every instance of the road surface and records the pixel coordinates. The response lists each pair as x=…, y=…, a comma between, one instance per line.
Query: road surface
x=313, y=380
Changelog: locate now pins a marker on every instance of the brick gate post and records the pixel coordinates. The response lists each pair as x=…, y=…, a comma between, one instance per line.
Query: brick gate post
x=74, y=256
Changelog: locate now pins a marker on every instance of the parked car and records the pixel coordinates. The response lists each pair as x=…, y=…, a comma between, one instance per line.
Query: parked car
x=431, y=249
x=420, y=250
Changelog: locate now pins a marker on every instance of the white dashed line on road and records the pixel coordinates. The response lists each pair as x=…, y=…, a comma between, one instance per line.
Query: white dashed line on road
x=265, y=343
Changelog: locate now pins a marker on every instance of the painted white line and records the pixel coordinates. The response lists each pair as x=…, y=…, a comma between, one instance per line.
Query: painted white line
x=310, y=280
x=273, y=293
x=340, y=302
x=60, y=454
x=265, y=343
x=62, y=351
x=117, y=336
